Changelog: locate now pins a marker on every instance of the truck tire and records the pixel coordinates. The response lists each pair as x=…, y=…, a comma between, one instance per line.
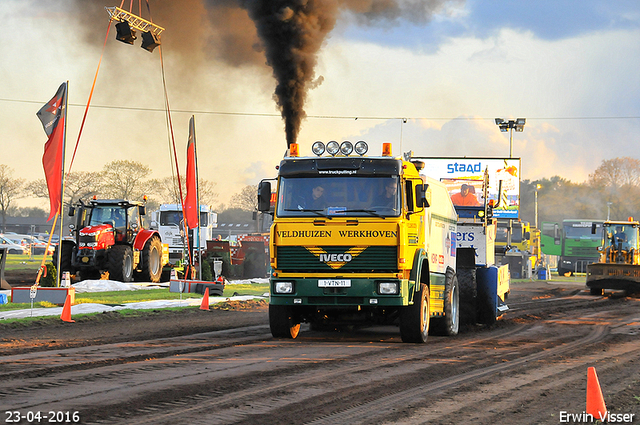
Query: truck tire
x=468, y=296
x=90, y=274
x=151, y=260
x=65, y=258
x=282, y=322
x=596, y=291
x=414, y=319
x=121, y=263
x=450, y=323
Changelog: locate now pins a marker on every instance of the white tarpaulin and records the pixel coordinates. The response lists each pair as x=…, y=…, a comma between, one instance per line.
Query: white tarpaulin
x=110, y=285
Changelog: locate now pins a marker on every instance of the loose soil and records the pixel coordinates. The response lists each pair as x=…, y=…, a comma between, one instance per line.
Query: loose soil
x=330, y=377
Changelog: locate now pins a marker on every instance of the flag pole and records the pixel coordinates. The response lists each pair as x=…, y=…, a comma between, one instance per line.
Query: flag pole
x=62, y=184
x=195, y=155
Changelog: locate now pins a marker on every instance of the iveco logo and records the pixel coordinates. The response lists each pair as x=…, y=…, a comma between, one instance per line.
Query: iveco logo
x=335, y=261
x=343, y=258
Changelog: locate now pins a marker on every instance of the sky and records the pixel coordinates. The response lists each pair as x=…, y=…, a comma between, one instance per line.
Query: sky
x=429, y=76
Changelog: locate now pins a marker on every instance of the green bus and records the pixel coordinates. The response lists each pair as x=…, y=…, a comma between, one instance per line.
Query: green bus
x=573, y=241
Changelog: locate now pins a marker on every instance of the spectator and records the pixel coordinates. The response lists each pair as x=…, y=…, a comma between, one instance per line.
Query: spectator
x=465, y=197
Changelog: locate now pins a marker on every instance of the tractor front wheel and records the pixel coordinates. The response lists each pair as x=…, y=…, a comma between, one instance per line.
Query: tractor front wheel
x=121, y=263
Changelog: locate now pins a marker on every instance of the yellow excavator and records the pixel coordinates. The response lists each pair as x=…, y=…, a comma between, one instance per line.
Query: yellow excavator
x=619, y=264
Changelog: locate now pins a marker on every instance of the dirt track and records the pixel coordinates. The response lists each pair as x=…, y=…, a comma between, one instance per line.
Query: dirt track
x=191, y=367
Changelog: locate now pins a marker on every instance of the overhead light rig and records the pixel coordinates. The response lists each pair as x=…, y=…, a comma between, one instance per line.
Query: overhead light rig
x=127, y=22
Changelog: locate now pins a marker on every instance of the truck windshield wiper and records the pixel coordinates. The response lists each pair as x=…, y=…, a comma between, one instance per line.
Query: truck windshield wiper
x=370, y=212
x=316, y=212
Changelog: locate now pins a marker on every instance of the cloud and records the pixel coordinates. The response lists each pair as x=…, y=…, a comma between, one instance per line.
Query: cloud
x=449, y=87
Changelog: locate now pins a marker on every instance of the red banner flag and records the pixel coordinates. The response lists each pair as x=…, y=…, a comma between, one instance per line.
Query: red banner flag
x=191, y=198
x=53, y=115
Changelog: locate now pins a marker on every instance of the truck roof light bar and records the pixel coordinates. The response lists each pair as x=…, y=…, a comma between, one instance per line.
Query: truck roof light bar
x=346, y=148
x=333, y=148
x=318, y=148
x=361, y=147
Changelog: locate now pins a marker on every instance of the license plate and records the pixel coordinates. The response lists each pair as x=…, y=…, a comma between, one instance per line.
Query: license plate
x=334, y=283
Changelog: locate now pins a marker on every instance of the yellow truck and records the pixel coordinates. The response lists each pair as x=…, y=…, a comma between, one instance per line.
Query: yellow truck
x=361, y=240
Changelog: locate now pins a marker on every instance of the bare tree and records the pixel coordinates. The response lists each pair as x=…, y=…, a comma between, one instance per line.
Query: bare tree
x=11, y=188
x=166, y=189
x=78, y=185
x=246, y=199
x=617, y=172
x=124, y=179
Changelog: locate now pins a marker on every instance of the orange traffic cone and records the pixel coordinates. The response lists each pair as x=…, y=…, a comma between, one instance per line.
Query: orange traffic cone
x=595, y=400
x=205, y=300
x=66, y=311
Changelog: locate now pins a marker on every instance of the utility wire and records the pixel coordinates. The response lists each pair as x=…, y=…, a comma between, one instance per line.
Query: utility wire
x=347, y=117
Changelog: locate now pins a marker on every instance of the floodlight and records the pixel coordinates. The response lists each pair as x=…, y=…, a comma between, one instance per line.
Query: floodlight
x=333, y=148
x=361, y=147
x=317, y=148
x=124, y=32
x=346, y=148
x=150, y=41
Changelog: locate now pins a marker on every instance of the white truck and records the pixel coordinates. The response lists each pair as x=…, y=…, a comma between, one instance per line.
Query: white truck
x=169, y=222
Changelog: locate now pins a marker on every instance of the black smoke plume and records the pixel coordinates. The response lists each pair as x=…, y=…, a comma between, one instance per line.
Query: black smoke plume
x=292, y=32
x=289, y=33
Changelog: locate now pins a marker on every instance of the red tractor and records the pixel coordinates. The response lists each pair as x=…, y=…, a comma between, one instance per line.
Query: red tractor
x=109, y=237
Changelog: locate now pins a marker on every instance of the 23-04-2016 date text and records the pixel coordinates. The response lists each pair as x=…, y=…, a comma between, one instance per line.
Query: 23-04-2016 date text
x=38, y=417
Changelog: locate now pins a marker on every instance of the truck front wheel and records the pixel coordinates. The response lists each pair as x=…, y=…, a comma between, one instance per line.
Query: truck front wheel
x=121, y=263
x=450, y=323
x=414, y=319
x=282, y=322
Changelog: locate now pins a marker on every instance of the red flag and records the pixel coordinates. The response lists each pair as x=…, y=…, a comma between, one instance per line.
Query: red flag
x=191, y=198
x=53, y=116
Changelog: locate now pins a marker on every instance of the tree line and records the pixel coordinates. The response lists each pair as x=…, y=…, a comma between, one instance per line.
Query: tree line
x=120, y=179
x=611, y=191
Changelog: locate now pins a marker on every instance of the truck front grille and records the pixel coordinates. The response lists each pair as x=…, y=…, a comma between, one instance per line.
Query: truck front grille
x=312, y=259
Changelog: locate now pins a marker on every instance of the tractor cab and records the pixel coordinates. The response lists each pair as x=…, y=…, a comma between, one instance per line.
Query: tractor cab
x=620, y=242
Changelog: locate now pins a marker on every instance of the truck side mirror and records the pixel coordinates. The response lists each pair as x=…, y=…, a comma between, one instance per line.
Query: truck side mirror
x=264, y=196
x=142, y=210
x=527, y=235
x=421, y=195
x=72, y=211
x=593, y=228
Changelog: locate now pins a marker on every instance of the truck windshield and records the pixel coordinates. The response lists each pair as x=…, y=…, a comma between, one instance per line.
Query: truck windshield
x=168, y=218
x=339, y=196
x=582, y=230
x=502, y=230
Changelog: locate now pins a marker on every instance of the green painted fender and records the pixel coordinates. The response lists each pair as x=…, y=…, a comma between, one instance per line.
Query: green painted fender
x=416, y=270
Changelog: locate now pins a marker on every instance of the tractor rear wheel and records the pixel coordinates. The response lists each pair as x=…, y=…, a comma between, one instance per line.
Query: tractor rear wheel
x=121, y=263
x=151, y=261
